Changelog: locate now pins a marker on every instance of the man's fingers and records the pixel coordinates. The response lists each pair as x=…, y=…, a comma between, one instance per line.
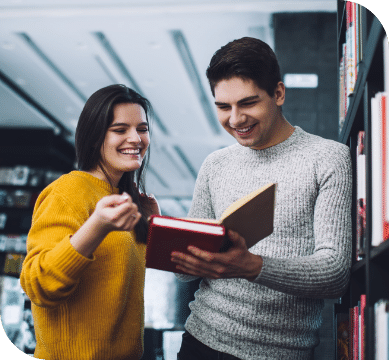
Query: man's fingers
x=204, y=255
x=236, y=238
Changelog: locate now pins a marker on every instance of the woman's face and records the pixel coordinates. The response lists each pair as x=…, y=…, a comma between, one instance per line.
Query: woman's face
x=126, y=141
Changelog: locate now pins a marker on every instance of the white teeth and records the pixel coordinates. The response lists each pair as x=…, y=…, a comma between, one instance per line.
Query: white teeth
x=245, y=129
x=130, y=151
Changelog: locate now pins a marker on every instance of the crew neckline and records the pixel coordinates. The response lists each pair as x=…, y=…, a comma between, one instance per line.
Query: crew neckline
x=277, y=148
x=101, y=183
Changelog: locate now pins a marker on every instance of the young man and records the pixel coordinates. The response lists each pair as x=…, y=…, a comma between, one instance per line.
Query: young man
x=266, y=302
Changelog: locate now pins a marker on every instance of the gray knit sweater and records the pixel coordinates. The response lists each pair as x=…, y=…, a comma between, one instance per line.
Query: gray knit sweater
x=305, y=260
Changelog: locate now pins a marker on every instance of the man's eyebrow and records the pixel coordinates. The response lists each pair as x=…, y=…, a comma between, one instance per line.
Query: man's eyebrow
x=127, y=125
x=249, y=98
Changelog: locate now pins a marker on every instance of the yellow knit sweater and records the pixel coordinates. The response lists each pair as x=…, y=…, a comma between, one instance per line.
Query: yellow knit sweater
x=83, y=308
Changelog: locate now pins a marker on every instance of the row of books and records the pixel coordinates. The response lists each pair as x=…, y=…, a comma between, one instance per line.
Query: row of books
x=351, y=56
x=27, y=176
x=380, y=176
x=13, y=243
x=17, y=198
x=351, y=332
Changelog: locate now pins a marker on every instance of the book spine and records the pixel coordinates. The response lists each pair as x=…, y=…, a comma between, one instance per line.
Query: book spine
x=361, y=196
x=386, y=63
x=356, y=333
x=381, y=332
x=350, y=50
x=385, y=165
x=351, y=334
x=376, y=168
x=341, y=94
x=362, y=327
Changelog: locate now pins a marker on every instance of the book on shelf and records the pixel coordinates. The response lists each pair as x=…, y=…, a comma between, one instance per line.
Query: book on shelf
x=342, y=336
x=13, y=243
x=22, y=175
x=356, y=330
x=252, y=216
x=342, y=109
x=380, y=168
x=386, y=63
x=12, y=264
x=362, y=307
x=361, y=196
x=381, y=329
x=355, y=341
x=351, y=57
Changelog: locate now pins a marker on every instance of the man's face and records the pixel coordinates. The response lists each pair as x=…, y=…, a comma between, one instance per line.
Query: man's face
x=248, y=113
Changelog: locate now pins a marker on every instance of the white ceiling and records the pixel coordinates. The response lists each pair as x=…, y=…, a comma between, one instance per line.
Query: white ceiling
x=55, y=54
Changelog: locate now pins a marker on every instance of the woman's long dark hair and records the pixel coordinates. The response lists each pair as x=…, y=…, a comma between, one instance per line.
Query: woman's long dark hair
x=94, y=121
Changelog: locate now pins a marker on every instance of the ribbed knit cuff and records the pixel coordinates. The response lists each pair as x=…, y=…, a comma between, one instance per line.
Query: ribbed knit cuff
x=67, y=260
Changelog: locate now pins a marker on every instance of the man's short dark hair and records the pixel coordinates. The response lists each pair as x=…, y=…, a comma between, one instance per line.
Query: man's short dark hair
x=248, y=58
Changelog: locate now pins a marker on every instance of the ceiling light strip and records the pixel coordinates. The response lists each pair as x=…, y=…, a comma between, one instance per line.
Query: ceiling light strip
x=52, y=66
x=59, y=129
x=187, y=59
x=186, y=161
x=92, y=11
x=169, y=156
x=105, y=69
x=123, y=69
x=159, y=178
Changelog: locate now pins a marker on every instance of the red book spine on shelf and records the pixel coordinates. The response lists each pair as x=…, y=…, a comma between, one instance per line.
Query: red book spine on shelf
x=356, y=332
x=385, y=165
x=351, y=334
x=362, y=327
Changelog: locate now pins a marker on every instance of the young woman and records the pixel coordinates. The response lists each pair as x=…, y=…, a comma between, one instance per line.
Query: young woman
x=85, y=265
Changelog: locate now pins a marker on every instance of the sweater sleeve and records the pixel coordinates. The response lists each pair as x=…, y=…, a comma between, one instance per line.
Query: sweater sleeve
x=52, y=267
x=324, y=273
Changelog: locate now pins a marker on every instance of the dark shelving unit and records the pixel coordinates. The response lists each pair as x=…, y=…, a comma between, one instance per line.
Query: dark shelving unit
x=370, y=275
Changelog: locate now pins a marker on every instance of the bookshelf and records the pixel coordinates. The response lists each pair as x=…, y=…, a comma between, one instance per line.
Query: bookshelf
x=370, y=268
x=30, y=160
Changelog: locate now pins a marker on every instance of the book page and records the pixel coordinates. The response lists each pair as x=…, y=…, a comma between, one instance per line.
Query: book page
x=238, y=203
x=187, y=225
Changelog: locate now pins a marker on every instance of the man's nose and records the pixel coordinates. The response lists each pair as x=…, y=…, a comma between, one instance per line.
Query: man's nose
x=237, y=118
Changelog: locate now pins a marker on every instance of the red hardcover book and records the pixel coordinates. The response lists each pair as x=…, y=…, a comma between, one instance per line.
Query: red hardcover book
x=167, y=234
x=356, y=332
x=385, y=165
x=351, y=334
x=362, y=327
x=251, y=216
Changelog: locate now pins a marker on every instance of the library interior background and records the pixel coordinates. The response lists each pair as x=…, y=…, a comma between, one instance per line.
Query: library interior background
x=53, y=57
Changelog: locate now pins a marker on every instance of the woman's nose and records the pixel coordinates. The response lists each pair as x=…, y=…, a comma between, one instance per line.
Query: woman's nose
x=133, y=137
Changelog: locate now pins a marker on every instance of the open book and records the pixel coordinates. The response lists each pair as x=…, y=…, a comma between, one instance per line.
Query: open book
x=251, y=216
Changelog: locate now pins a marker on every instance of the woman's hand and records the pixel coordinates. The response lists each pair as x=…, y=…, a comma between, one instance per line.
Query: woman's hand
x=112, y=213
x=116, y=212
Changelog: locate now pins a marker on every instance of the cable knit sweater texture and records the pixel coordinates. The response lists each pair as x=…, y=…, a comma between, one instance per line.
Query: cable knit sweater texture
x=82, y=308
x=305, y=260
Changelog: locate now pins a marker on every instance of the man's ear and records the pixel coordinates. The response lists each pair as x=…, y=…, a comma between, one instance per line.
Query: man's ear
x=279, y=93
